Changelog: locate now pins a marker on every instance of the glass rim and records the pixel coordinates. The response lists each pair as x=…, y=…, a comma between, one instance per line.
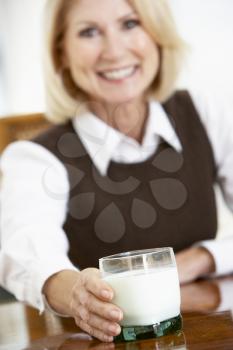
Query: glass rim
x=135, y=253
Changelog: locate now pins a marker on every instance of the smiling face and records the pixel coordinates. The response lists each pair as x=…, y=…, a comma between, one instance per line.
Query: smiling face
x=109, y=54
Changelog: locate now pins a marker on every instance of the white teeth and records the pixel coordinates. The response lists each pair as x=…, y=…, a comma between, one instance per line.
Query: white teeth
x=118, y=74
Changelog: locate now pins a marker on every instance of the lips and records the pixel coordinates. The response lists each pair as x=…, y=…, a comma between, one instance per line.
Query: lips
x=118, y=74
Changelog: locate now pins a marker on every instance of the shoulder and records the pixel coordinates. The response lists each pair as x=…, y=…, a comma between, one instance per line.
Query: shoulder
x=215, y=110
x=180, y=102
x=23, y=156
x=178, y=97
x=211, y=104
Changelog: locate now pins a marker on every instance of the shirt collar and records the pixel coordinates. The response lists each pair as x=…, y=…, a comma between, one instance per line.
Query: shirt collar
x=101, y=140
x=159, y=124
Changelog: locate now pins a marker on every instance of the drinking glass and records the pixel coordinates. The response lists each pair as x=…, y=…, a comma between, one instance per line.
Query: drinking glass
x=146, y=288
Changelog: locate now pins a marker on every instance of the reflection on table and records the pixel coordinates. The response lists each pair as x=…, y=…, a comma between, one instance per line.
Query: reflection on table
x=207, y=314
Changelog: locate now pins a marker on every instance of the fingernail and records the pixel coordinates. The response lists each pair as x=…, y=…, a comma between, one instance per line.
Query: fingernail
x=117, y=315
x=115, y=329
x=106, y=294
x=108, y=338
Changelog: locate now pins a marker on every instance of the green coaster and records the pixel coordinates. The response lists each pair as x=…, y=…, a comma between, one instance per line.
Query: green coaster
x=131, y=333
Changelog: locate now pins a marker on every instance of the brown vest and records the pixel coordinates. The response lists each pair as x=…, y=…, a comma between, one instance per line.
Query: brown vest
x=167, y=200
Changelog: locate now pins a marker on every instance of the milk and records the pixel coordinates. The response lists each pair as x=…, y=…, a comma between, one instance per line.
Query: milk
x=146, y=298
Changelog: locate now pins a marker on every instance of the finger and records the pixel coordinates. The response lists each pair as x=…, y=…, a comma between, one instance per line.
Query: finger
x=103, y=309
x=93, y=331
x=98, y=287
x=95, y=321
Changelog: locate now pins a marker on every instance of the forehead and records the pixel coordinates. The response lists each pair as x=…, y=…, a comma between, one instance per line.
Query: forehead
x=98, y=10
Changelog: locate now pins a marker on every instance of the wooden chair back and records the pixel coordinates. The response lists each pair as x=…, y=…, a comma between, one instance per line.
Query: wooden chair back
x=21, y=127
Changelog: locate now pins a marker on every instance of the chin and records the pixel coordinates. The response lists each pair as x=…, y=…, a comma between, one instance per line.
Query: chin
x=122, y=99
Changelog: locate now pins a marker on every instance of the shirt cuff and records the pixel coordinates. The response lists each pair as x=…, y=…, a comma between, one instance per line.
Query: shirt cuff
x=226, y=291
x=221, y=250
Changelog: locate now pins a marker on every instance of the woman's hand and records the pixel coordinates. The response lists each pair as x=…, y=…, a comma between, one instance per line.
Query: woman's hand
x=86, y=297
x=193, y=263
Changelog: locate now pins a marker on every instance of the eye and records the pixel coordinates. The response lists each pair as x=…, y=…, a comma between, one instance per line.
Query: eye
x=131, y=23
x=89, y=32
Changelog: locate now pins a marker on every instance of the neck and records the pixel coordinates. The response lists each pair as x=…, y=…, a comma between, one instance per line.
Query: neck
x=129, y=117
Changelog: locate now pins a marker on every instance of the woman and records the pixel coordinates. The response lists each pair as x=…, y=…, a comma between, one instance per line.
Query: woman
x=123, y=174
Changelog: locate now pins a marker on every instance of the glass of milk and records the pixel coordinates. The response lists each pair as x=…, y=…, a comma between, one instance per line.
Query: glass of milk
x=146, y=288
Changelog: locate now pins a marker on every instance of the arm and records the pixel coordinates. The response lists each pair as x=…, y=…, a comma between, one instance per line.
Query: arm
x=33, y=256
x=31, y=221
x=193, y=263
x=213, y=256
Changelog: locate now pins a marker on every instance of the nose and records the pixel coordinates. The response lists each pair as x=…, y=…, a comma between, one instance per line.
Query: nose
x=113, y=46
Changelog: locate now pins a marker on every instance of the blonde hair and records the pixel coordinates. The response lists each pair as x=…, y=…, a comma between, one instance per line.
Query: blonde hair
x=64, y=98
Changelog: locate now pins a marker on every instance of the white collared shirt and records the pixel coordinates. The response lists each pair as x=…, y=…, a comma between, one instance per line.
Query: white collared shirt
x=33, y=243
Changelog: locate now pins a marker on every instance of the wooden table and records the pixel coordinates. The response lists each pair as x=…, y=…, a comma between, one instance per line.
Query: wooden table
x=206, y=309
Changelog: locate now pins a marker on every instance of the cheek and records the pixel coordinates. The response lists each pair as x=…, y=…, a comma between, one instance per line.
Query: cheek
x=147, y=47
x=82, y=56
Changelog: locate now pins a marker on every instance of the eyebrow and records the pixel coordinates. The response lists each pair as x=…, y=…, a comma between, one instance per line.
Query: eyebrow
x=118, y=20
